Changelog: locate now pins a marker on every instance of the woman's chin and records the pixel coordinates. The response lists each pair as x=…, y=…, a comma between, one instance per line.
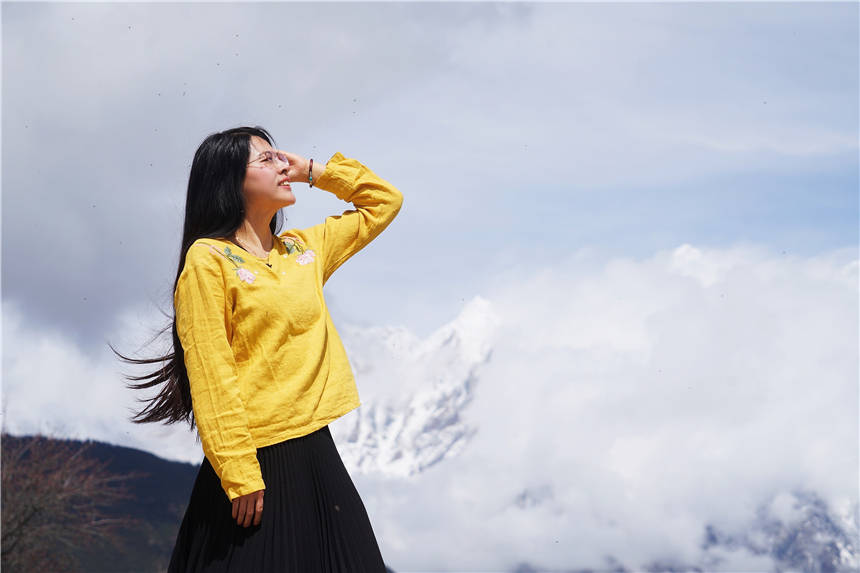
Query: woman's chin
x=288, y=198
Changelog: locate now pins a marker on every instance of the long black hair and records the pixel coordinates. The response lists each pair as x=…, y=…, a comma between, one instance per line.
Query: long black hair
x=214, y=208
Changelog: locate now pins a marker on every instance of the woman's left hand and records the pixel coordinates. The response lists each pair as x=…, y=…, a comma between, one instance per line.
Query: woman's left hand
x=248, y=508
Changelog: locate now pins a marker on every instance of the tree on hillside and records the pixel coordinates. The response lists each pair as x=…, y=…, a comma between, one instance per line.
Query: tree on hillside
x=54, y=499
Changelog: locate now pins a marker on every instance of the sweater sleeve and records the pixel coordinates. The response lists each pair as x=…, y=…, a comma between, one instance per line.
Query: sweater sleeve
x=203, y=323
x=376, y=203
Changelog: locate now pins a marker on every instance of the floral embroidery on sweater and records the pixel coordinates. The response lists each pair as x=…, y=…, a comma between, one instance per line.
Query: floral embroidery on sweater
x=294, y=243
x=306, y=257
x=243, y=273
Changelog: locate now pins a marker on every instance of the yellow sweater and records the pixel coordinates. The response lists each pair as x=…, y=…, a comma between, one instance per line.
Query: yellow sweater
x=264, y=360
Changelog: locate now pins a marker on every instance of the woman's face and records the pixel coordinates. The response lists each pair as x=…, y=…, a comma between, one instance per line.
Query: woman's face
x=262, y=177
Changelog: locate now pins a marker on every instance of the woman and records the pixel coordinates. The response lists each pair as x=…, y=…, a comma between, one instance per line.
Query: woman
x=258, y=364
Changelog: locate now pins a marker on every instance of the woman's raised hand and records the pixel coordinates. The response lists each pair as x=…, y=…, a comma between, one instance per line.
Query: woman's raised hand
x=298, y=170
x=249, y=507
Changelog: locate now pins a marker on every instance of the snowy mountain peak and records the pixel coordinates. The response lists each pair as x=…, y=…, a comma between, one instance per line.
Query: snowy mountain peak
x=411, y=413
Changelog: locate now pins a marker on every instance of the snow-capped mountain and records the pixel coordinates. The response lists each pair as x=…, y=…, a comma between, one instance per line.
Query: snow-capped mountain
x=420, y=410
x=411, y=417
x=797, y=532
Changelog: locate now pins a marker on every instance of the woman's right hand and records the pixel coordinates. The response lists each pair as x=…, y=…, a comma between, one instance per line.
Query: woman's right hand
x=300, y=168
x=248, y=507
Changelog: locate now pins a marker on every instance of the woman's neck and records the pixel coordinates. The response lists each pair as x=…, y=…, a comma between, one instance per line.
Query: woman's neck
x=258, y=235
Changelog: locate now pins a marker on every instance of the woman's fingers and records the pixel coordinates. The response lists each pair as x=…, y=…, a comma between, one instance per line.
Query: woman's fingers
x=249, y=512
x=248, y=509
x=298, y=167
x=258, y=516
x=240, y=510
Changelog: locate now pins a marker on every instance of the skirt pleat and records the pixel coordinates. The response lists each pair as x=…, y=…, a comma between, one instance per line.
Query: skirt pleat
x=313, y=517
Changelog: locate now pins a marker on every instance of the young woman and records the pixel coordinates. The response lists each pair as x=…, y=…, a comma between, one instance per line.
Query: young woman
x=258, y=365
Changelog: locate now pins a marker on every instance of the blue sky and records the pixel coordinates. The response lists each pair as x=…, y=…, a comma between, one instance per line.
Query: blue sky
x=595, y=180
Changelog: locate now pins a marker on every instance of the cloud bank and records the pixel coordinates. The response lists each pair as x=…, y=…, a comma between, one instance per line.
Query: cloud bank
x=627, y=404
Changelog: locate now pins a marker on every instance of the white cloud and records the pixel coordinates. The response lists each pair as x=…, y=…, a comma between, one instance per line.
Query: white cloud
x=637, y=401
x=51, y=386
x=627, y=404
x=628, y=400
x=514, y=125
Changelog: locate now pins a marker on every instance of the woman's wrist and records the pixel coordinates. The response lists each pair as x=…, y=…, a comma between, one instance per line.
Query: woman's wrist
x=317, y=170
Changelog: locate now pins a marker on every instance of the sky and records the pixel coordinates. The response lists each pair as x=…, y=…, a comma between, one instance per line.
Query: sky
x=648, y=211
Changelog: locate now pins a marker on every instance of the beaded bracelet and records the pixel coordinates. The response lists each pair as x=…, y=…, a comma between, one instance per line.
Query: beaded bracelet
x=311, y=174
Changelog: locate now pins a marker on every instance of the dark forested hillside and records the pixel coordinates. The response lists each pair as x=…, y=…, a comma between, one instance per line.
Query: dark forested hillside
x=157, y=499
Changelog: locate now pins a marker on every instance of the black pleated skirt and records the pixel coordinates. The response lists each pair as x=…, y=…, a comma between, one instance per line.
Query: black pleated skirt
x=313, y=518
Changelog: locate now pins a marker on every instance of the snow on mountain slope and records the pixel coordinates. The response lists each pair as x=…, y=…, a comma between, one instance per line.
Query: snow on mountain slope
x=410, y=416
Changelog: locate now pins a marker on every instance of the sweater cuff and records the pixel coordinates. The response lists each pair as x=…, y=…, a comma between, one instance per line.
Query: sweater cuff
x=241, y=477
